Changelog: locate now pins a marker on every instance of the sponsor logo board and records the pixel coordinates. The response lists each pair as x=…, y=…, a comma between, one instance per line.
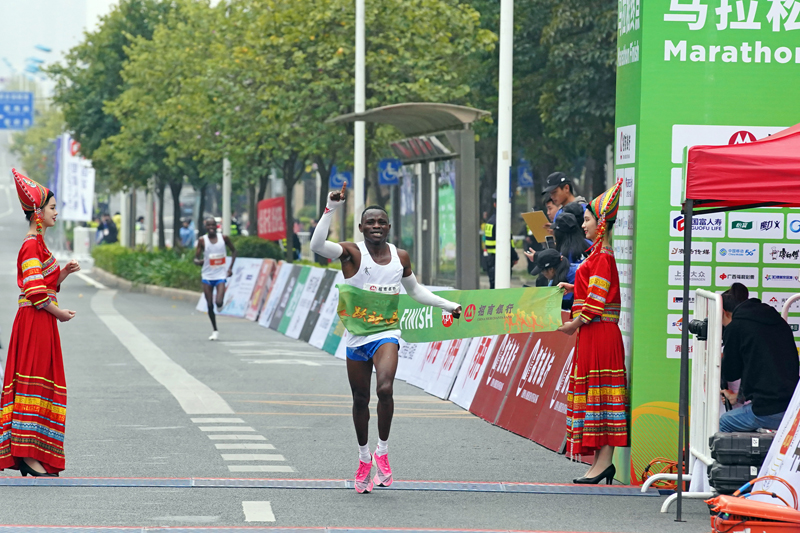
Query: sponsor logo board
x=783, y=278
x=701, y=251
x=756, y=225
x=623, y=227
x=625, y=272
x=674, y=348
x=778, y=300
x=725, y=276
x=700, y=276
x=675, y=323
x=737, y=252
x=793, y=226
x=702, y=226
x=675, y=299
x=782, y=253
x=676, y=187
x=623, y=249
x=626, y=145
x=687, y=135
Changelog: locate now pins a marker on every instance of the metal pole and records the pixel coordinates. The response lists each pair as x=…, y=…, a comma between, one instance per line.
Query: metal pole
x=226, y=197
x=504, y=119
x=122, y=231
x=359, y=150
x=148, y=217
x=683, y=401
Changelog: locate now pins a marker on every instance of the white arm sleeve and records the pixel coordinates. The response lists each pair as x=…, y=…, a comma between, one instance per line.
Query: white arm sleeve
x=424, y=296
x=319, y=243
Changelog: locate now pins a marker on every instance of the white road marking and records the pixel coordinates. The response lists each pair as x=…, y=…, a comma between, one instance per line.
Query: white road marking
x=194, y=397
x=94, y=283
x=245, y=446
x=278, y=352
x=217, y=420
x=283, y=362
x=226, y=428
x=238, y=437
x=252, y=457
x=258, y=512
x=260, y=468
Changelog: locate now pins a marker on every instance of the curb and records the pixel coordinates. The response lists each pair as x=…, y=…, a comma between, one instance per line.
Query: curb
x=110, y=280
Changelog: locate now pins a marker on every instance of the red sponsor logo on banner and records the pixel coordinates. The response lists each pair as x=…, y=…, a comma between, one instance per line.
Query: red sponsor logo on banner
x=479, y=357
x=74, y=148
x=742, y=137
x=469, y=314
x=447, y=319
x=272, y=219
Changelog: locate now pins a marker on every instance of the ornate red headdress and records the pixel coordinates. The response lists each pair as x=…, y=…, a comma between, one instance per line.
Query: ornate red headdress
x=31, y=195
x=605, y=208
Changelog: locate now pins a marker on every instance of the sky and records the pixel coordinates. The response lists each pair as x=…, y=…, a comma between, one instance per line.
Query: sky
x=55, y=24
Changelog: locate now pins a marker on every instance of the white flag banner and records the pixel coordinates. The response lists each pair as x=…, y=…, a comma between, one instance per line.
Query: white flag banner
x=76, y=177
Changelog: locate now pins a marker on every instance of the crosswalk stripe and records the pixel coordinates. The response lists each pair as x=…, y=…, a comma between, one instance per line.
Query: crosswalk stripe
x=226, y=428
x=258, y=512
x=236, y=437
x=252, y=457
x=245, y=446
x=217, y=420
x=260, y=468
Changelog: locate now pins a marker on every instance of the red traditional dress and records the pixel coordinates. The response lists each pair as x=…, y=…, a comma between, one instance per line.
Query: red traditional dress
x=34, y=396
x=597, y=395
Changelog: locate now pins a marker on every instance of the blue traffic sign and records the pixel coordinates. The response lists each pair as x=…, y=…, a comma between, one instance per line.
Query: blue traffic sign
x=389, y=171
x=524, y=174
x=338, y=178
x=16, y=110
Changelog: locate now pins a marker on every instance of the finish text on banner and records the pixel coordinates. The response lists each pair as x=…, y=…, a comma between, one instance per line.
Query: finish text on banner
x=486, y=312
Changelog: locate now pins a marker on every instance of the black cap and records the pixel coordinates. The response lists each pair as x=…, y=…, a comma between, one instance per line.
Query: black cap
x=565, y=223
x=545, y=259
x=556, y=179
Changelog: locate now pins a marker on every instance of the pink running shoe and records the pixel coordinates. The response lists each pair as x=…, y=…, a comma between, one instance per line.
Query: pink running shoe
x=363, y=482
x=383, y=478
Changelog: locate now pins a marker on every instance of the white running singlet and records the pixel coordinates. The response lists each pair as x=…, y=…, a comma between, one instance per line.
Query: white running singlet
x=376, y=278
x=214, y=267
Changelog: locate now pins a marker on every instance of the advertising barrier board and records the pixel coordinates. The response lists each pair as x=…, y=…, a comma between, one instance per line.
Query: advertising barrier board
x=240, y=286
x=327, y=315
x=317, y=304
x=300, y=315
x=294, y=299
x=500, y=372
x=286, y=294
x=275, y=294
x=408, y=359
x=441, y=383
x=264, y=281
x=471, y=371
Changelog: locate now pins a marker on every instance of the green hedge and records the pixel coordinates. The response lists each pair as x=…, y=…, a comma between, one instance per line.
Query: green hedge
x=257, y=247
x=166, y=268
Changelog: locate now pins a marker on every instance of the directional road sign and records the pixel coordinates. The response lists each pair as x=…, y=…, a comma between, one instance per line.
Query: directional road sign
x=16, y=110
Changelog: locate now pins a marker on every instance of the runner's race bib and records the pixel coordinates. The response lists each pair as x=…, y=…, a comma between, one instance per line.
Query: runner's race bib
x=216, y=260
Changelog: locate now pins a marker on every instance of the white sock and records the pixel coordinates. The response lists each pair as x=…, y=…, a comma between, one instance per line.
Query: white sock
x=383, y=447
x=363, y=453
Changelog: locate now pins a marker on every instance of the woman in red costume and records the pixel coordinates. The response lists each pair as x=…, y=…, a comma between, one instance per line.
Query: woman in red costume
x=34, y=397
x=597, y=414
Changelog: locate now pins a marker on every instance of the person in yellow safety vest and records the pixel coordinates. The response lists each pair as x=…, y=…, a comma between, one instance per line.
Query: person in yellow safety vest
x=490, y=248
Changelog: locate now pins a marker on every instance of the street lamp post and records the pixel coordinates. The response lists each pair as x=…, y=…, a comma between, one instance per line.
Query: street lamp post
x=504, y=120
x=359, y=151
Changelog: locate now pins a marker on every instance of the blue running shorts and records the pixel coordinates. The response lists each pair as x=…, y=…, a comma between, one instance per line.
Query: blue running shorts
x=214, y=282
x=365, y=352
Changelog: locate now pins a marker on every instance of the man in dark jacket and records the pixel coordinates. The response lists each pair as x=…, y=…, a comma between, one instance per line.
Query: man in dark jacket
x=759, y=349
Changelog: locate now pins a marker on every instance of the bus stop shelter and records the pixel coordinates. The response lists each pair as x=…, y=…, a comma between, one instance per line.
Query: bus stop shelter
x=435, y=133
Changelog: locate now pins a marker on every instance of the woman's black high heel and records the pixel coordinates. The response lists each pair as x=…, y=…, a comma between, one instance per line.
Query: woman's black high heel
x=25, y=470
x=607, y=474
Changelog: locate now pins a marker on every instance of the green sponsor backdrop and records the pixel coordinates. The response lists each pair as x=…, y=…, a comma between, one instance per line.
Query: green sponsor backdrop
x=693, y=72
x=492, y=312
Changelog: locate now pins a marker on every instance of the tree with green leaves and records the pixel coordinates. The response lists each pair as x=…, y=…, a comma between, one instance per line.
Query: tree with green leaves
x=35, y=146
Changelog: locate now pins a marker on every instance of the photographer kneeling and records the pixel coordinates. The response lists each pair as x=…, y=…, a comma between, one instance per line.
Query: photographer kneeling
x=759, y=349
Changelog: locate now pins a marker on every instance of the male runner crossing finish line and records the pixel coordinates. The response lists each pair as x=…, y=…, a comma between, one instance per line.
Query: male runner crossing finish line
x=376, y=266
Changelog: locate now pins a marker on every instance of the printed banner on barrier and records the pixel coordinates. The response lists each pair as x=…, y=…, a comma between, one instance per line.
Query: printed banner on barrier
x=486, y=312
x=274, y=298
x=262, y=289
x=272, y=219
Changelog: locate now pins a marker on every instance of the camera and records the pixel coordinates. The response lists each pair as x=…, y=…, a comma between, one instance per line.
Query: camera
x=699, y=328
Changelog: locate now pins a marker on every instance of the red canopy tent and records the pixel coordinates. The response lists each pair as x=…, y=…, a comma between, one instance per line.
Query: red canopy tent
x=764, y=173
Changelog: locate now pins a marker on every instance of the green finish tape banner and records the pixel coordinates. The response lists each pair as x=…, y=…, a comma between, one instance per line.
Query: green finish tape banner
x=487, y=312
